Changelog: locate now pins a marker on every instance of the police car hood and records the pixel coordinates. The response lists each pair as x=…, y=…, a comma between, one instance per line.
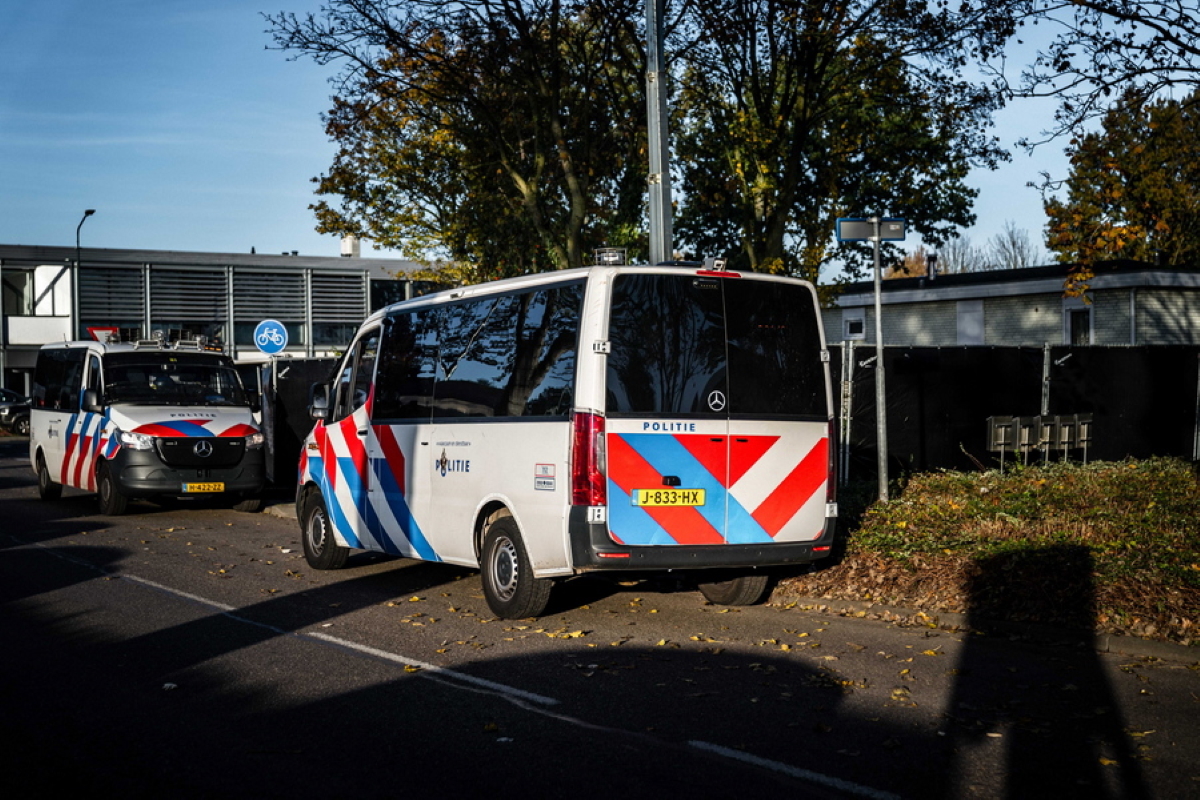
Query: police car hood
x=176, y=421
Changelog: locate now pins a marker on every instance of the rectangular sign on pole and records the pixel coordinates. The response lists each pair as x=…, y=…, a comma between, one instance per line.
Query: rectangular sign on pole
x=858, y=229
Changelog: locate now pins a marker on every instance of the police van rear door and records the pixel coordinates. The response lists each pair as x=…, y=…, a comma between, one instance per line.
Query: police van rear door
x=717, y=410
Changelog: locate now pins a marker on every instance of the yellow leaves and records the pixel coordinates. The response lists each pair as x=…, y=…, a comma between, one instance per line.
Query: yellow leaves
x=564, y=635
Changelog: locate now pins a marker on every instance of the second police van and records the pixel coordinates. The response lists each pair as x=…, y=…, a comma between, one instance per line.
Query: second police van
x=144, y=419
x=606, y=419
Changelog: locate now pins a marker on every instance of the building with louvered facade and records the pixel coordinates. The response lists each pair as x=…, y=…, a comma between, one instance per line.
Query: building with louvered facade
x=223, y=297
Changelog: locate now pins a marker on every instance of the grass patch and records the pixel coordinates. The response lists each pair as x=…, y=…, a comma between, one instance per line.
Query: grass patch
x=1107, y=546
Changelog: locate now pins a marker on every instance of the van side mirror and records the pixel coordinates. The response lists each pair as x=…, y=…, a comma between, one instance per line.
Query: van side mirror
x=91, y=401
x=318, y=401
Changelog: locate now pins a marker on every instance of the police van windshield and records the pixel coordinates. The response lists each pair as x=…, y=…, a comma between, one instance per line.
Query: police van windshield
x=151, y=382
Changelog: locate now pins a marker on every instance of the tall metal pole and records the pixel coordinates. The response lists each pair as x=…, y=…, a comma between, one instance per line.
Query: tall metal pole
x=72, y=317
x=880, y=391
x=661, y=247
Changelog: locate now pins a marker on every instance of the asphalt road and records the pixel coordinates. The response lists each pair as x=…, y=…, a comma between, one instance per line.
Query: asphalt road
x=185, y=650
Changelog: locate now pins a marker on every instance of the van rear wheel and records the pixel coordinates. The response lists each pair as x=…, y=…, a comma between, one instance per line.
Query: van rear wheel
x=47, y=488
x=744, y=590
x=321, y=550
x=509, y=587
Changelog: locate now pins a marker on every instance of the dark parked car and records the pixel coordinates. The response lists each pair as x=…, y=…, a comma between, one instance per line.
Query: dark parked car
x=14, y=412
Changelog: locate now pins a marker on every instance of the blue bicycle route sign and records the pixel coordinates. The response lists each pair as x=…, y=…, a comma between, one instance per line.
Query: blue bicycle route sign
x=270, y=337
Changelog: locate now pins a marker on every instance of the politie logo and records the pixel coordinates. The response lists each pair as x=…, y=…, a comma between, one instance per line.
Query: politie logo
x=445, y=465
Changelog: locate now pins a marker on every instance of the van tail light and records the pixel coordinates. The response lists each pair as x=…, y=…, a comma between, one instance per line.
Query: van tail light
x=587, y=461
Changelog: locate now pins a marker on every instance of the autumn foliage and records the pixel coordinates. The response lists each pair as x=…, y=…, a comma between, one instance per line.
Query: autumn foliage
x=1132, y=189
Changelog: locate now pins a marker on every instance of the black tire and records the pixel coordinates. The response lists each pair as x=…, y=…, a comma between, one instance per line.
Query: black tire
x=509, y=587
x=21, y=426
x=112, y=502
x=744, y=590
x=321, y=550
x=47, y=488
x=250, y=504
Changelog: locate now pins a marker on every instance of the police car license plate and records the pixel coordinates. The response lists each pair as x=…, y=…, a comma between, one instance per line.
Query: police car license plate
x=668, y=497
x=204, y=487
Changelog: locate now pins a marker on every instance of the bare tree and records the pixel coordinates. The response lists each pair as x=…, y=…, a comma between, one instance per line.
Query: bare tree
x=959, y=255
x=1013, y=248
x=1101, y=49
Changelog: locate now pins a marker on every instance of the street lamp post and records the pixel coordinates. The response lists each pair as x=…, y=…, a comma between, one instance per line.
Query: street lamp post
x=75, y=274
x=661, y=248
x=86, y=214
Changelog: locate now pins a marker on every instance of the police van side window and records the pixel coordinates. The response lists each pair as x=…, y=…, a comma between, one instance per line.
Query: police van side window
x=354, y=384
x=58, y=379
x=404, y=382
x=668, y=344
x=508, y=355
x=94, y=381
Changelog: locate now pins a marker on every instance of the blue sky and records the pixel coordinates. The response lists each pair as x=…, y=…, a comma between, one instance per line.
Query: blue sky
x=174, y=121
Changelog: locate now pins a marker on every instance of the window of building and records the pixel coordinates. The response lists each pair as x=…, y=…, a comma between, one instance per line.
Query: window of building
x=970, y=321
x=1077, y=321
x=18, y=292
x=854, y=324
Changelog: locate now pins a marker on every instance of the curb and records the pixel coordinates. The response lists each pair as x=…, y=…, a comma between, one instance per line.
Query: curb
x=281, y=510
x=1031, y=632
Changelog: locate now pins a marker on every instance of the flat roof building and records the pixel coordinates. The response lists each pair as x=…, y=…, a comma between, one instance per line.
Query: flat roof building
x=1128, y=303
x=223, y=297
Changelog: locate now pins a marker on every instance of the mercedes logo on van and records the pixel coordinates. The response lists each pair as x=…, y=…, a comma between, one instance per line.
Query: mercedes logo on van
x=716, y=400
x=203, y=448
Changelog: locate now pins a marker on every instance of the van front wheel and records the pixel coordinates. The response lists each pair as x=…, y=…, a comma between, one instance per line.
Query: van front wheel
x=112, y=502
x=744, y=590
x=509, y=587
x=321, y=550
x=47, y=488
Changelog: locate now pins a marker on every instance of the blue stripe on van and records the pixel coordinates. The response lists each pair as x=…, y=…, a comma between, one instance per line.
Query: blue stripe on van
x=668, y=457
x=398, y=504
x=632, y=525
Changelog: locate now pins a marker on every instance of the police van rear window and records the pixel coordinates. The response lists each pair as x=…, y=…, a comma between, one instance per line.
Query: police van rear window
x=677, y=338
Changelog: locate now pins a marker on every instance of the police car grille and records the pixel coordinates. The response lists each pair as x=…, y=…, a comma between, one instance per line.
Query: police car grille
x=181, y=451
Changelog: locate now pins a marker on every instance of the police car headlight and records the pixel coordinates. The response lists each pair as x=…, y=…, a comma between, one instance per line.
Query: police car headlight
x=135, y=441
x=254, y=441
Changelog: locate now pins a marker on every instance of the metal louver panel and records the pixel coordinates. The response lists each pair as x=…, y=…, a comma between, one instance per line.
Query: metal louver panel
x=263, y=295
x=111, y=293
x=187, y=295
x=338, y=297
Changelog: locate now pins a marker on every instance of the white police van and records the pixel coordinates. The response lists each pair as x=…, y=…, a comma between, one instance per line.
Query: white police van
x=143, y=419
x=607, y=419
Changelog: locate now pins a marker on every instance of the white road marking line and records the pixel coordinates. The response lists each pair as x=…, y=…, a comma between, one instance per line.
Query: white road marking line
x=509, y=692
x=435, y=669
x=796, y=772
x=385, y=655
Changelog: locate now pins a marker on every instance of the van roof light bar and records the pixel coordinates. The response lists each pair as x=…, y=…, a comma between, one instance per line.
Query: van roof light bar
x=610, y=256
